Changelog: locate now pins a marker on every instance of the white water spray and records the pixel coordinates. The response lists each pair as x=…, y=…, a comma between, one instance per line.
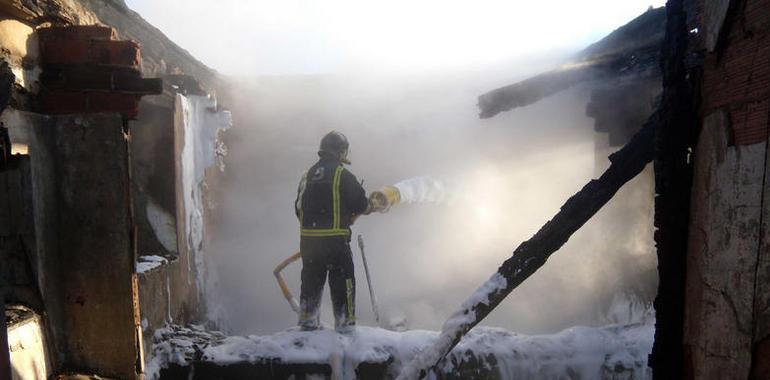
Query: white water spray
x=423, y=189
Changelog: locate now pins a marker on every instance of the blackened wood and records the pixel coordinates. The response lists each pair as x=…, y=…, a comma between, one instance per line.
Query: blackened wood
x=626, y=164
x=630, y=51
x=673, y=177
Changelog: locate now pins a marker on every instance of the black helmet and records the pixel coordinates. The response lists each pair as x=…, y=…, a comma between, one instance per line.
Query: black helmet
x=336, y=145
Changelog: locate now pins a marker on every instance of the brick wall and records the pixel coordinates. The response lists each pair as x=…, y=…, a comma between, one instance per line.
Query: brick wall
x=736, y=77
x=727, y=320
x=86, y=70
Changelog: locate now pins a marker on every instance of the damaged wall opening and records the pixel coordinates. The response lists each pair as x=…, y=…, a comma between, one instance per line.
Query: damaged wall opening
x=145, y=198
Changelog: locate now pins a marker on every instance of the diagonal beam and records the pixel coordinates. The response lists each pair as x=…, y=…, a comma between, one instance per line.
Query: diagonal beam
x=533, y=253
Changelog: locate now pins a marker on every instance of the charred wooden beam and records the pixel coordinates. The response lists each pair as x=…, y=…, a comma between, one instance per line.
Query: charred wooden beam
x=673, y=179
x=632, y=50
x=533, y=253
x=666, y=137
x=532, y=90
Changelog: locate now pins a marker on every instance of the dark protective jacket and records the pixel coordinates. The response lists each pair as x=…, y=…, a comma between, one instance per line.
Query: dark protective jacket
x=328, y=198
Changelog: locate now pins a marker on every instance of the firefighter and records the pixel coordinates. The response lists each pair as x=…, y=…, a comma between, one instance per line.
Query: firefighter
x=329, y=198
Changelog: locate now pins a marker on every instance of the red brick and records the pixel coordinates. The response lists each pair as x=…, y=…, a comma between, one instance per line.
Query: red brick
x=757, y=13
x=127, y=104
x=73, y=52
x=750, y=122
x=740, y=75
x=99, y=78
x=77, y=32
x=65, y=51
x=137, y=85
x=71, y=102
x=58, y=103
x=79, y=77
x=86, y=44
x=124, y=53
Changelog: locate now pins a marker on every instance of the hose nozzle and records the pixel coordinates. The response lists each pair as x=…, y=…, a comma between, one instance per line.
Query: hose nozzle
x=382, y=200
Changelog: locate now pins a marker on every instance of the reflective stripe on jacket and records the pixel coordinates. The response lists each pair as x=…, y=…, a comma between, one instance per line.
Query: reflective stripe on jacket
x=327, y=199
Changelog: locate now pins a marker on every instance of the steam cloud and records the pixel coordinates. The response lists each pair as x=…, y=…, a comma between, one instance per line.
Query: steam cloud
x=500, y=180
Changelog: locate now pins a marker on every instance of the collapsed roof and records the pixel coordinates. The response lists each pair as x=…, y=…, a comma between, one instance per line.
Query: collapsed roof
x=630, y=51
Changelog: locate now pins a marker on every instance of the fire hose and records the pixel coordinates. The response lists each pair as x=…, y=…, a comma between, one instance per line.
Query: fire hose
x=282, y=283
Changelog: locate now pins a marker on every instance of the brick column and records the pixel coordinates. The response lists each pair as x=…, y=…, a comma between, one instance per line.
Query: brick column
x=86, y=70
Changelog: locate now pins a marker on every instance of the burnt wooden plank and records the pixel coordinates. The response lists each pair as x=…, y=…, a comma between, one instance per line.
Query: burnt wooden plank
x=530, y=255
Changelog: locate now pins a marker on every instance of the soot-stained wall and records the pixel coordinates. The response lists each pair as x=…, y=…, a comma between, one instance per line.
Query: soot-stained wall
x=727, y=317
x=100, y=198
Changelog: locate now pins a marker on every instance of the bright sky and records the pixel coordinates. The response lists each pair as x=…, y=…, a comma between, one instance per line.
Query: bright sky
x=304, y=36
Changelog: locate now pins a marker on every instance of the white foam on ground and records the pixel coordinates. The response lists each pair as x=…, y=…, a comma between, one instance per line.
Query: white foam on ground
x=147, y=263
x=615, y=351
x=452, y=327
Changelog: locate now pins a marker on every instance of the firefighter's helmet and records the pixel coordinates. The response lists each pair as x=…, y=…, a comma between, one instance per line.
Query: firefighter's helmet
x=336, y=145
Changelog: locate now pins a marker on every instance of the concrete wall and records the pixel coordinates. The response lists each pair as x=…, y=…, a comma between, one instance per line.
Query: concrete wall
x=727, y=204
x=175, y=291
x=18, y=282
x=84, y=239
x=199, y=151
x=28, y=349
x=727, y=316
x=90, y=221
x=153, y=176
x=96, y=245
x=35, y=131
x=168, y=293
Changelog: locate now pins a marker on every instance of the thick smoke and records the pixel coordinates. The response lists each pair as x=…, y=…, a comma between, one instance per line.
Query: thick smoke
x=490, y=184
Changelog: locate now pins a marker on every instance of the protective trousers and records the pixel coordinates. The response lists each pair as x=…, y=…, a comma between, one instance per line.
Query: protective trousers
x=320, y=256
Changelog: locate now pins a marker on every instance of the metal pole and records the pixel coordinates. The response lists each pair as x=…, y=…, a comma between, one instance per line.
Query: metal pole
x=369, y=280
